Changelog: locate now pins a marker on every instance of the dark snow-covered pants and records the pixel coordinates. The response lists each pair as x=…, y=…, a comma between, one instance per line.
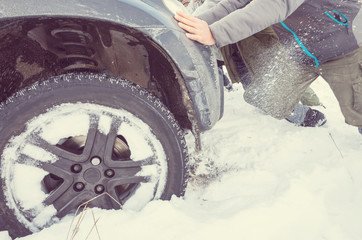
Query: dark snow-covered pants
x=279, y=82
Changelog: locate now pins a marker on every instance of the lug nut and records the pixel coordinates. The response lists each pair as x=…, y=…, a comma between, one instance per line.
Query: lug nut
x=96, y=161
x=79, y=186
x=99, y=189
x=109, y=173
x=76, y=168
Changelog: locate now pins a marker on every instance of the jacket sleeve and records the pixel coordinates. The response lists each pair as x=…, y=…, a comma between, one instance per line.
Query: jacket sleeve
x=237, y=23
x=206, y=6
x=222, y=9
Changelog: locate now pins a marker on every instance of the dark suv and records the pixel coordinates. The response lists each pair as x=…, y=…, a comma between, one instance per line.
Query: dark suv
x=95, y=98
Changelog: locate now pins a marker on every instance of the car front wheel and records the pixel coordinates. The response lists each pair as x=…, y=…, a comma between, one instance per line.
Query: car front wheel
x=78, y=137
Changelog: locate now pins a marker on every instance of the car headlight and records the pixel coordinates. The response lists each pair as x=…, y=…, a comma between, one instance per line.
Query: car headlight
x=174, y=5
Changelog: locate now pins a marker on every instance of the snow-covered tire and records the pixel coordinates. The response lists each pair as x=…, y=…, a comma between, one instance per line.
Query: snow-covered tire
x=73, y=137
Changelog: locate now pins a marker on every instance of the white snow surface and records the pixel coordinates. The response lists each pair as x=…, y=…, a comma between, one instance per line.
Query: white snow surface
x=256, y=178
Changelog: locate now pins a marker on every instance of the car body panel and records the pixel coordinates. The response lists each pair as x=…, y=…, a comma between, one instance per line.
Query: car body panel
x=196, y=63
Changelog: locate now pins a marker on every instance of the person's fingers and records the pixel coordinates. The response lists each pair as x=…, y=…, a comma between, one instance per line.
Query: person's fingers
x=187, y=16
x=193, y=37
x=196, y=29
x=184, y=20
x=187, y=28
x=201, y=39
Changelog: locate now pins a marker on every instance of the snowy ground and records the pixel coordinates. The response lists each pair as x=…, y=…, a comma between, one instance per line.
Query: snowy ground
x=256, y=178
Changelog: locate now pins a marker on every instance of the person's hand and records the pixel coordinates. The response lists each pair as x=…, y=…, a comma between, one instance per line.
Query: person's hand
x=197, y=29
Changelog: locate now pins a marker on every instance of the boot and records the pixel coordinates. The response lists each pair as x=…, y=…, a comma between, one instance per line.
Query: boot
x=305, y=116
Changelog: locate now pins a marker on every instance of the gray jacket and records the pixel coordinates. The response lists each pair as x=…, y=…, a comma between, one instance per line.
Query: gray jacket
x=319, y=26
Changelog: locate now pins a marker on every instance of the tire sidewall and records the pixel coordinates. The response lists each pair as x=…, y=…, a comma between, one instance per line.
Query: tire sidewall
x=101, y=90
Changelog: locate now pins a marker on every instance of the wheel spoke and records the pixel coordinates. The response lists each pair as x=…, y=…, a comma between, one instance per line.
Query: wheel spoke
x=128, y=180
x=99, y=144
x=60, y=168
x=130, y=163
x=91, y=136
x=127, y=184
x=62, y=153
x=57, y=151
x=29, y=161
x=115, y=182
x=95, y=143
x=63, y=188
x=111, y=139
x=106, y=202
x=71, y=201
x=115, y=202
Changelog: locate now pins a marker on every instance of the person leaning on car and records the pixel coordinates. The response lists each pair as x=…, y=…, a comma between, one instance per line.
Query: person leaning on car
x=325, y=35
x=250, y=62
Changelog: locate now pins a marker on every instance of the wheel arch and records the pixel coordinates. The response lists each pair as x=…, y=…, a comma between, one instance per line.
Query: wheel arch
x=193, y=64
x=36, y=48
